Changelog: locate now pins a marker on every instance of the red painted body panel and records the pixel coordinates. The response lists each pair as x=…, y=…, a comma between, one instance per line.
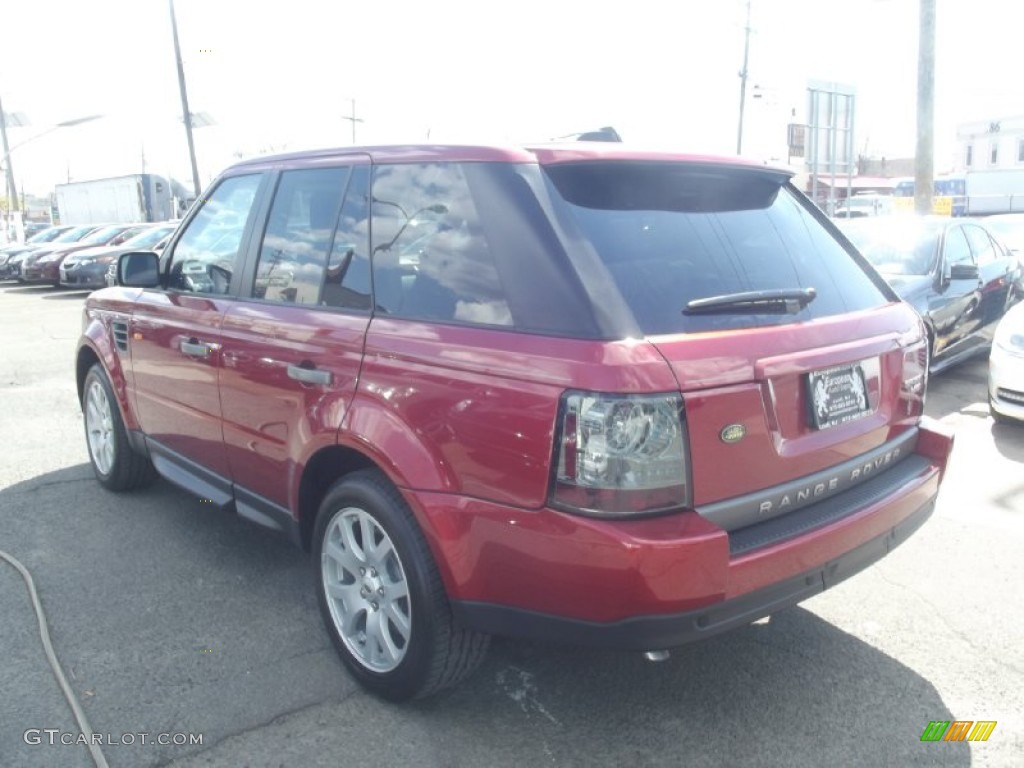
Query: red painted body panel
x=789, y=558
x=97, y=336
x=606, y=570
x=176, y=395
x=472, y=411
x=553, y=562
x=545, y=154
x=757, y=378
x=273, y=423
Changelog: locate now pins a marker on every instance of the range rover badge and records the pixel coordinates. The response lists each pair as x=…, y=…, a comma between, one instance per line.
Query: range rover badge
x=732, y=433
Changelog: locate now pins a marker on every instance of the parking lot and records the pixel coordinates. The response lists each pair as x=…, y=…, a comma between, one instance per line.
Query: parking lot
x=171, y=617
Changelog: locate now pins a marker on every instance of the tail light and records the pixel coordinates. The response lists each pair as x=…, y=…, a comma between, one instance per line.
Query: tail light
x=915, y=377
x=620, y=455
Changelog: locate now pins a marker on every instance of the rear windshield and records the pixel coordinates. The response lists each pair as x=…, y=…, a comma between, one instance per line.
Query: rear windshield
x=671, y=233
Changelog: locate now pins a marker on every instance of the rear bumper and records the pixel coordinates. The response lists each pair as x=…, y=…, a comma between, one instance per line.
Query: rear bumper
x=662, y=581
x=647, y=633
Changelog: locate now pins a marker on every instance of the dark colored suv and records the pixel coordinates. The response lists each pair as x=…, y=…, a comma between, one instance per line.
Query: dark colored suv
x=577, y=394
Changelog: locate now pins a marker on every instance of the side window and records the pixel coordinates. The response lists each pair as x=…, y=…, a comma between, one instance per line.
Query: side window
x=204, y=257
x=955, y=250
x=293, y=253
x=981, y=245
x=347, y=284
x=430, y=258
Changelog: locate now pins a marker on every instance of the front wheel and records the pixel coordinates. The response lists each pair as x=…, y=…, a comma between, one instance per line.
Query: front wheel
x=381, y=596
x=116, y=465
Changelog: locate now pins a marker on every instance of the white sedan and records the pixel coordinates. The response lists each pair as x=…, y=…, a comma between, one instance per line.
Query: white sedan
x=1006, y=367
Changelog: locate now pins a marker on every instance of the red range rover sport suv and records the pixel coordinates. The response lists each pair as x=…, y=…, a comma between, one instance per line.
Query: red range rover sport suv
x=578, y=394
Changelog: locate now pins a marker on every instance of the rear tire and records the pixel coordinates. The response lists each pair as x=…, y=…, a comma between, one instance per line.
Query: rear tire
x=115, y=463
x=381, y=595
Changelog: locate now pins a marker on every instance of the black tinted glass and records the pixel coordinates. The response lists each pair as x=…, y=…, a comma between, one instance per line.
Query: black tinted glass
x=956, y=249
x=347, y=284
x=431, y=259
x=981, y=244
x=204, y=256
x=293, y=254
x=671, y=233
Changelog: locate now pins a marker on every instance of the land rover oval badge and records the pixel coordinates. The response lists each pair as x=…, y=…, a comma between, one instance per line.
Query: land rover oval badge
x=733, y=433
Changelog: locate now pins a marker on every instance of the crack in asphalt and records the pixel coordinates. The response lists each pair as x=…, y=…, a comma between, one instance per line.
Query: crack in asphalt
x=989, y=653
x=259, y=726
x=48, y=484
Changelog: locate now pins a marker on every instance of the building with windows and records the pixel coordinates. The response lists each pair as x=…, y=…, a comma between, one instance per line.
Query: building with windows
x=991, y=144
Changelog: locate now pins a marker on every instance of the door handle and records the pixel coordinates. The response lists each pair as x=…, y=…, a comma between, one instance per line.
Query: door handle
x=195, y=348
x=310, y=375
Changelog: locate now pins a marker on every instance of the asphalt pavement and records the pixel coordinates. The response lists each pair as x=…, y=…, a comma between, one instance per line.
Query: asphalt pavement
x=178, y=621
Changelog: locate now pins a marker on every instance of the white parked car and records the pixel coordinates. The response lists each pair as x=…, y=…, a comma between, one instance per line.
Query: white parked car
x=1006, y=367
x=862, y=205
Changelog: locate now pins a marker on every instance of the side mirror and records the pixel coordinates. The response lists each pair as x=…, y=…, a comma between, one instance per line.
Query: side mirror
x=963, y=272
x=138, y=269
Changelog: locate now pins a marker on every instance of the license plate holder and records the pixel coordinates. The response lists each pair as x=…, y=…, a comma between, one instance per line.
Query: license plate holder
x=837, y=395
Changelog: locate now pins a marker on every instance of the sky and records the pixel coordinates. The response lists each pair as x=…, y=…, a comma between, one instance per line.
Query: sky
x=283, y=75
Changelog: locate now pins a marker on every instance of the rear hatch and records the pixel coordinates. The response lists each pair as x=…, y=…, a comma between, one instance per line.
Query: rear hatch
x=802, y=375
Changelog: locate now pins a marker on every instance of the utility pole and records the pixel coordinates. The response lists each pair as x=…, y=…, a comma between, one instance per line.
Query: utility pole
x=924, y=159
x=743, y=81
x=12, y=189
x=185, y=113
x=353, y=119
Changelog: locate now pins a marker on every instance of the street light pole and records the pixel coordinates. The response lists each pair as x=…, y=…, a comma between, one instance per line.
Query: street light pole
x=7, y=154
x=743, y=81
x=924, y=157
x=185, y=113
x=353, y=119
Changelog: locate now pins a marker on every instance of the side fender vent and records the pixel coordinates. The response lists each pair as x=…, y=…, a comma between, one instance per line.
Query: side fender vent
x=120, y=336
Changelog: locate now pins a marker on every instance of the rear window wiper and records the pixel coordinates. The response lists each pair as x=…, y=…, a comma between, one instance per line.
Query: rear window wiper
x=783, y=301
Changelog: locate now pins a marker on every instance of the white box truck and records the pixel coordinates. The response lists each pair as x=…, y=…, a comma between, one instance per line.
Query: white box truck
x=118, y=200
x=995, y=191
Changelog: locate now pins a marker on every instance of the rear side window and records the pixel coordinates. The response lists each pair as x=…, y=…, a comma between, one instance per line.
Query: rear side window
x=671, y=233
x=347, y=283
x=293, y=255
x=429, y=254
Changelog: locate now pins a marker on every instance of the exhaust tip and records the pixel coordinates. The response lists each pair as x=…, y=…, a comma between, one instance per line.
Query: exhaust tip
x=656, y=655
